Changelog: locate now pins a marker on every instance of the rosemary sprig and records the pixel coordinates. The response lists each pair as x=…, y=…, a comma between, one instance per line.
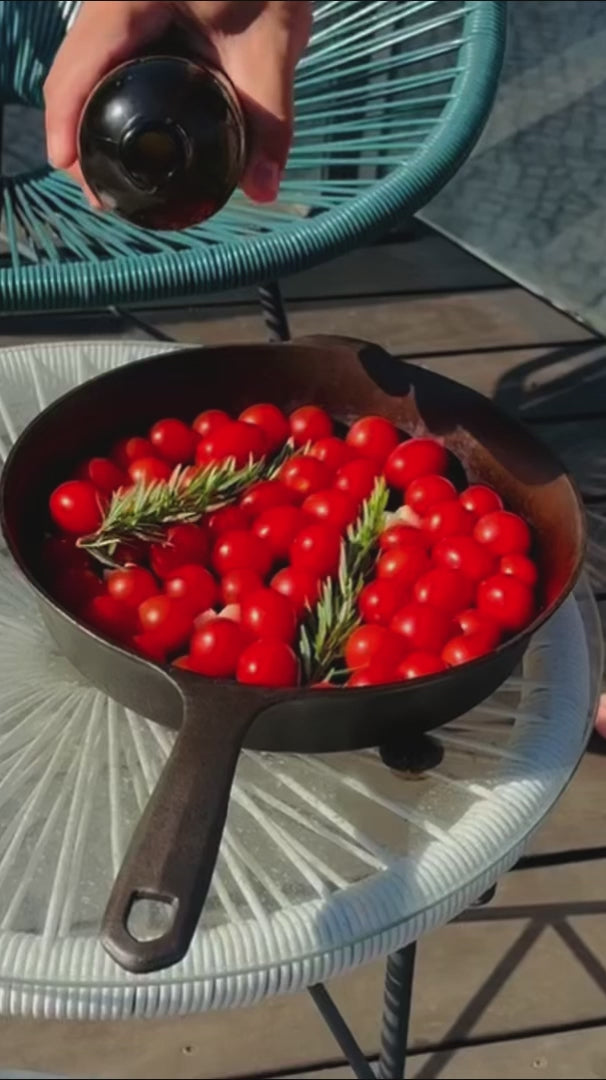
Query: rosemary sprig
x=324, y=633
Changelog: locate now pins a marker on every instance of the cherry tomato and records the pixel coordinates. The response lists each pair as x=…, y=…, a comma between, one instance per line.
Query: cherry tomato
x=146, y=470
x=75, y=586
x=131, y=586
x=377, y=673
x=373, y=437
x=463, y=553
x=194, y=585
x=448, y=590
x=302, y=587
x=182, y=662
x=268, y=614
x=241, y=549
x=521, y=567
x=368, y=643
x=466, y=647
x=265, y=495
x=278, y=527
x=423, y=627
x=235, y=440
x=216, y=647
x=378, y=602
x=472, y=622
x=480, y=499
x=135, y=552
x=403, y=536
x=110, y=617
x=225, y=519
x=127, y=450
x=209, y=421
x=60, y=553
x=308, y=424
x=503, y=533
x=447, y=519
x=187, y=543
x=268, y=663
x=170, y=620
x=272, y=422
x=506, y=600
x=75, y=507
x=417, y=665
x=334, y=506
x=239, y=583
x=333, y=452
x=412, y=459
x=317, y=548
x=150, y=646
x=357, y=478
x=402, y=566
x=102, y=474
x=173, y=441
x=303, y=475
x=425, y=492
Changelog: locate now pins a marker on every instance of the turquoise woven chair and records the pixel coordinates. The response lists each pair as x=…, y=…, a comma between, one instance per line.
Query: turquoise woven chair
x=390, y=98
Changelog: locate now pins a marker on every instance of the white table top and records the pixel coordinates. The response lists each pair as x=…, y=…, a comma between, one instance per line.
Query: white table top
x=326, y=862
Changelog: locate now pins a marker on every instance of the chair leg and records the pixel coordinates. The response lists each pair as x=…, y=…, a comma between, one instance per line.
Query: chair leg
x=396, y=1013
x=274, y=312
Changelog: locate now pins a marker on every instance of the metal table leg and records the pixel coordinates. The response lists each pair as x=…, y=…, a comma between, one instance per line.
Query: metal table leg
x=341, y=1031
x=274, y=312
x=396, y=1013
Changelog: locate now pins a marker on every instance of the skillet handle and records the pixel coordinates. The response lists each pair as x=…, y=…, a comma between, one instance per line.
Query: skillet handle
x=172, y=855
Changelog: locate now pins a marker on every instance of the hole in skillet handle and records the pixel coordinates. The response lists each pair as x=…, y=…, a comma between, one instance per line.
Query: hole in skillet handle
x=167, y=870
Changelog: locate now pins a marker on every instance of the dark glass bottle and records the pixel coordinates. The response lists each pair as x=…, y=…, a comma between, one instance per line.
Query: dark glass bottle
x=162, y=141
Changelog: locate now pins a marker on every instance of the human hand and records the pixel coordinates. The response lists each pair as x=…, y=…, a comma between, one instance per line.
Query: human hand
x=257, y=44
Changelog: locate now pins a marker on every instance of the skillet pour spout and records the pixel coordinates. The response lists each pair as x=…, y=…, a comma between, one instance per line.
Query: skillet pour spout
x=161, y=888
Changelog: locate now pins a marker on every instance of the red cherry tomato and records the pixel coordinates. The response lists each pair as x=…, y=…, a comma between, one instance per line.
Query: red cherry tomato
x=465, y=554
x=135, y=552
x=194, y=586
x=173, y=441
x=127, y=450
x=417, y=665
x=60, y=553
x=317, y=548
x=148, y=469
x=521, y=567
x=75, y=507
x=302, y=587
x=110, y=617
x=472, y=622
x=268, y=663
x=187, y=543
x=403, y=536
x=181, y=662
x=75, y=587
x=302, y=475
x=216, y=647
x=209, y=421
x=238, y=583
x=102, y=474
x=448, y=590
x=377, y=673
x=334, y=506
x=480, y=499
x=151, y=647
x=235, y=440
x=240, y=549
x=402, y=566
x=278, y=527
x=503, y=533
x=265, y=495
x=412, y=459
x=225, y=519
x=373, y=437
x=378, y=602
x=357, y=478
x=506, y=600
x=170, y=620
x=447, y=519
x=308, y=424
x=333, y=452
x=272, y=422
x=423, y=627
x=268, y=614
x=368, y=643
x=425, y=492
x=131, y=586
x=466, y=647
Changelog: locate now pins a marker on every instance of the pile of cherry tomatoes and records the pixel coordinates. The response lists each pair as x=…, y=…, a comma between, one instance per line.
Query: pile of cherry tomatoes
x=225, y=596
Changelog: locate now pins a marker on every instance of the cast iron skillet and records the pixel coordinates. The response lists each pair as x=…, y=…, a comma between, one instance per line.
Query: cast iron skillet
x=172, y=855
